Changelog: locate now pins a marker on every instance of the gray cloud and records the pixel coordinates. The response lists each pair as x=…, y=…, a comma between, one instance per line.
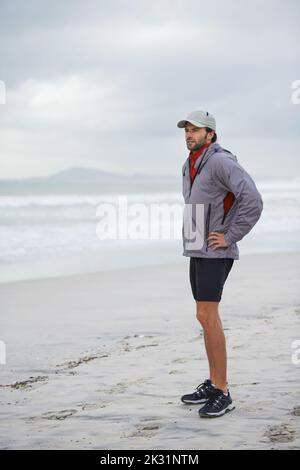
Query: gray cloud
x=103, y=83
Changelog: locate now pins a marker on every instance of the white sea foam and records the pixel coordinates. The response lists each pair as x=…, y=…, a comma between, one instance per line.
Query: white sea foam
x=38, y=226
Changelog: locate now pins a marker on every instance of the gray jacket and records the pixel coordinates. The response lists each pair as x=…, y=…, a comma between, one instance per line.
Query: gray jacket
x=218, y=172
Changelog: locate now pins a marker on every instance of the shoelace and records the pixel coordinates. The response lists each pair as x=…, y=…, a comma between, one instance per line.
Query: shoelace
x=201, y=388
x=217, y=401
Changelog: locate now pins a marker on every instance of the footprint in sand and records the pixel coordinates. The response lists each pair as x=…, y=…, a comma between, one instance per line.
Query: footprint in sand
x=27, y=384
x=81, y=360
x=146, y=345
x=126, y=347
x=176, y=372
x=121, y=387
x=296, y=411
x=93, y=406
x=148, y=427
x=280, y=433
x=60, y=415
x=127, y=344
x=65, y=372
x=180, y=360
x=139, y=336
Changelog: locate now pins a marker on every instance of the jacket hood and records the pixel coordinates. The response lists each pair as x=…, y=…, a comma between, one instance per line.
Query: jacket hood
x=211, y=150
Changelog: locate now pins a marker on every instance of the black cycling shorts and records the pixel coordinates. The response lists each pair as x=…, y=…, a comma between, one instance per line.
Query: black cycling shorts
x=208, y=276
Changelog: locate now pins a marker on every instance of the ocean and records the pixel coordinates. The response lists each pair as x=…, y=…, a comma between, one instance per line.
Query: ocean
x=46, y=235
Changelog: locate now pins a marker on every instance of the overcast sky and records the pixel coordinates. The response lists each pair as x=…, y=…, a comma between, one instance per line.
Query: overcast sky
x=103, y=83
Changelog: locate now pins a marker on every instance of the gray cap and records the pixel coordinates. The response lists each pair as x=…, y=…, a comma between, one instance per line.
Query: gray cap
x=199, y=119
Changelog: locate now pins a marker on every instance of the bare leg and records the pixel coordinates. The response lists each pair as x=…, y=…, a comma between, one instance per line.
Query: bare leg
x=215, y=344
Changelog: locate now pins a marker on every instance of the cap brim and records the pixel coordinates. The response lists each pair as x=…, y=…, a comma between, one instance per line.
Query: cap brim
x=182, y=124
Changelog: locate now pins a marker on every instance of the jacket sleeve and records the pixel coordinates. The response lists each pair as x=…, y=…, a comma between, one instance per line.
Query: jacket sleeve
x=232, y=176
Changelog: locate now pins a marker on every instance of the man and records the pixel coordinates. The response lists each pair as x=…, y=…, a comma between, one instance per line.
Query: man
x=214, y=180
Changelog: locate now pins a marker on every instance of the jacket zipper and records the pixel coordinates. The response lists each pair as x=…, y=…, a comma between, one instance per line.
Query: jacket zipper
x=226, y=213
x=198, y=170
x=209, y=205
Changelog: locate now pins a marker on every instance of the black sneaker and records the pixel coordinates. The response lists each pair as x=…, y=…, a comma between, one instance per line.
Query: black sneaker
x=201, y=394
x=217, y=405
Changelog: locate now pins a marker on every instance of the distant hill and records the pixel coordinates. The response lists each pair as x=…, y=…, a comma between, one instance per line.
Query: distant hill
x=90, y=180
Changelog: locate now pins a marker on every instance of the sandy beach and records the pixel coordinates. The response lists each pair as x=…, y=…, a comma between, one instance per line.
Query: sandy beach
x=100, y=361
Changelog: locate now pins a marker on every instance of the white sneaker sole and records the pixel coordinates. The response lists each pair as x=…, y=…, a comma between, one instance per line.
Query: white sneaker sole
x=217, y=415
x=193, y=402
